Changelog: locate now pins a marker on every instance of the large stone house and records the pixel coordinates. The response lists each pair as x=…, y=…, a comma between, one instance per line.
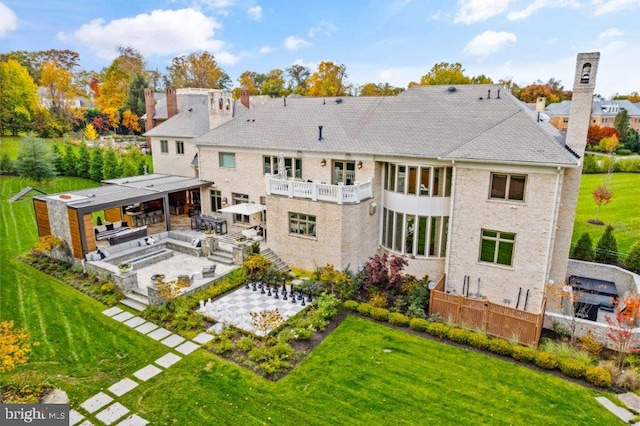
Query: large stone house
x=461, y=180
x=603, y=113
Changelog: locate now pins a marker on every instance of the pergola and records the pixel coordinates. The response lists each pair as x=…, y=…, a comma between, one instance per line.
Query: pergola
x=68, y=215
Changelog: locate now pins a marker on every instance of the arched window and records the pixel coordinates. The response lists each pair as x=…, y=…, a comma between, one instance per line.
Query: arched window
x=220, y=103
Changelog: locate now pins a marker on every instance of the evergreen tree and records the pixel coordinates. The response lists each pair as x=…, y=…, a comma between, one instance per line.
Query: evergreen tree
x=69, y=161
x=633, y=258
x=607, y=247
x=57, y=158
x=584, y=249
x=6, y=165
x=110, y=164
x=95, y=168
x=35, y=159
x=135, y=95
x=84, y=161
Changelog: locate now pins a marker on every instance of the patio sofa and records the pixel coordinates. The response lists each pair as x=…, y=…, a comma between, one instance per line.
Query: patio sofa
x=127, y=235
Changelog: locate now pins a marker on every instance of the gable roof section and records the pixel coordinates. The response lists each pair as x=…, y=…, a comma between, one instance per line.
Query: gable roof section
x=424, y=121
x=191, y=122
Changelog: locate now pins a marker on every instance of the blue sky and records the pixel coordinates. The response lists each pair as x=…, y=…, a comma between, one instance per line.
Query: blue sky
x=395, y=41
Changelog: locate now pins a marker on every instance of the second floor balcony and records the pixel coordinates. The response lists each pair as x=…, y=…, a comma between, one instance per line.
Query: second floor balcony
x=318, y=191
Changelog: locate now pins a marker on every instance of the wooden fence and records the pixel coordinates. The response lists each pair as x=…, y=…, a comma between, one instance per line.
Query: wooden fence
x=496, y=320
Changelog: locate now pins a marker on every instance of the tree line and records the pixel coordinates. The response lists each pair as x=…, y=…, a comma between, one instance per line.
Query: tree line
x=114, y=96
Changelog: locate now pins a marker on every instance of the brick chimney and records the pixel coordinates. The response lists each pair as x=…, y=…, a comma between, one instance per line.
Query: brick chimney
x=150, y=110
x=244, y=97
x=172, y=102
x=581, y=104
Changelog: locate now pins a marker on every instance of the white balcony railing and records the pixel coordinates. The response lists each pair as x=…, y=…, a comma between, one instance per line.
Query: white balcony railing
x=316, y=191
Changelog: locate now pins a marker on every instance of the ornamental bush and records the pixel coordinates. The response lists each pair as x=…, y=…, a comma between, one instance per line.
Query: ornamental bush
x=418, y=324
x=524, y=354
x=572, y=367
x=478, y=340
x=500, y=346
x=633, y=258
x=438, y=329
x=351, y=305
x=398, y=319
x=380, y=314
x=365, y=309
x=598, y=376
x=459, y=335
x=546, y=360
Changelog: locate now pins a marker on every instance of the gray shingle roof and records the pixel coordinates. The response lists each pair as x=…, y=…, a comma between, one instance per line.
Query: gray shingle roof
x=424, y=121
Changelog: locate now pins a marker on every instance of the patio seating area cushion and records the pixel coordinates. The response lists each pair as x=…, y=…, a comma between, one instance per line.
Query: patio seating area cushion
x=108, y=229
x=209, y=271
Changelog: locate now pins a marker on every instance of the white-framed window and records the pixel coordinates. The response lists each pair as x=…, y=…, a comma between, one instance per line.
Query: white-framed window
x=497, y=247
x=164, y=146
x=344, y=172
x=240, y=199
x=415, y=235
x=292, y=165
x=423, y=181
x=302, y=224
x=507, y=186
x=216, y=200
x=179, y=147
x=227, y=159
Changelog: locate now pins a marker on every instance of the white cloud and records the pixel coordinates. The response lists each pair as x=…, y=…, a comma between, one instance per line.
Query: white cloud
x=266, y=49
x=470, y=11
x=489, y=42
x=294, y=43
x=324, y=27
x=255, y=13
x=610, y=33
x=537, y=5
x=608, y=6
x=8, y=20
x=161, y=32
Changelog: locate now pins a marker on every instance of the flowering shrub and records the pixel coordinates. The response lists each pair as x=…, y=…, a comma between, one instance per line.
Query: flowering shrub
x=47, y=243
x=598, y=376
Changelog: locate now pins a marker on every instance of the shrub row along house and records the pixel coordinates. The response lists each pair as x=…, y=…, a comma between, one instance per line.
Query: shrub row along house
x=462, y=180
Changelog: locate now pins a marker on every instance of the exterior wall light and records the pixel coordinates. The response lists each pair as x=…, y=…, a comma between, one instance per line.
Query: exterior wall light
x=359, y=164
x=323, y=162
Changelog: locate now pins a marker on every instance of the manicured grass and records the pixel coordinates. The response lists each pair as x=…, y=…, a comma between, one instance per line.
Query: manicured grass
x=366, y=373
x=623, y=212
x=10, y=145
x=81, y=350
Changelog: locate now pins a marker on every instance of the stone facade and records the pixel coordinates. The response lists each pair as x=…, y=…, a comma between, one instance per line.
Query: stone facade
x=59, y=220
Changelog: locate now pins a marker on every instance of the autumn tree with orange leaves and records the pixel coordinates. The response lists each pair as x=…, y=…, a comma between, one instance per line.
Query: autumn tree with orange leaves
x=621, y=325
x=601, y=195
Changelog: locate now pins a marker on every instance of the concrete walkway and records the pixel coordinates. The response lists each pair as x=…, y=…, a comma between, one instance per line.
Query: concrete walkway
x=104, y=406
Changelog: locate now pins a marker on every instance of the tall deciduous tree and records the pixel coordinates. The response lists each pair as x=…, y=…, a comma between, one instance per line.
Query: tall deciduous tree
x=274, y=84
x=57, y=81
x=131, y=121
x=328, y=80
x=198, y=69
x=18, y=97
x=596, y=133
x=113, y=91
x=298, y=76
x=380, y=89
x=445, y=73
x=35, y=159
x=33, y=60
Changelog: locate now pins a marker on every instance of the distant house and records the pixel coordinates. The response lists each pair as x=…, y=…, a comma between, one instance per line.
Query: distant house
x=603, y=113
x=74, y=102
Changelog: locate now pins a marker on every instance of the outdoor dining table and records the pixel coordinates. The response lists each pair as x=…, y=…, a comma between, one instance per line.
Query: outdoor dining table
x=208, y=222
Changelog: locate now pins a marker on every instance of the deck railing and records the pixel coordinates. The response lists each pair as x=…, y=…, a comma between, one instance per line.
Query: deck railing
x=317, y=191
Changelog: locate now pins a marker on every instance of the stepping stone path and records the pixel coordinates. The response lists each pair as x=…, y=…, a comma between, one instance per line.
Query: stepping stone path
x=622, y=413
x=173, y=340
x=112, y=413
x=115, y=413
x=74, y=417
x=122, y=387
x=147, y=372
x=631, y=400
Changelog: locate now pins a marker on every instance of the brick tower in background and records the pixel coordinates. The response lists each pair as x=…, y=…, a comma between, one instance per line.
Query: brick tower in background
x=583, y=88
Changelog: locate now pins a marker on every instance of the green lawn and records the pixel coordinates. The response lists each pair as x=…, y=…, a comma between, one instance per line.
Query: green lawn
x=363, y=373
x=81, y=350
x=623, y=212
x=366, y=373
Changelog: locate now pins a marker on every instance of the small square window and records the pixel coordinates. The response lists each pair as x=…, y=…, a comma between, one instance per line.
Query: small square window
x=227, y=159
x=164, y=147
x=497, y=247
x=507, y=186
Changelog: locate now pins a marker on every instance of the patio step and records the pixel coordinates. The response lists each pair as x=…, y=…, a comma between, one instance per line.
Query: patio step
x=275, y=260
x=221, y=256
x=134, y=304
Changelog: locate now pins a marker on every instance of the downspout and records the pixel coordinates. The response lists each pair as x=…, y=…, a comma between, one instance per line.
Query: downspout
x=554, y=220
x=449, y=233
